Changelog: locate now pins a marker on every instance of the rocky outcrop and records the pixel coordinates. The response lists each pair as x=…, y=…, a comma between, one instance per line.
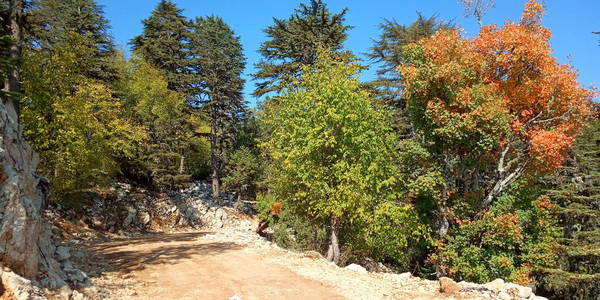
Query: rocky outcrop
x=129, y=208
x=27, y=251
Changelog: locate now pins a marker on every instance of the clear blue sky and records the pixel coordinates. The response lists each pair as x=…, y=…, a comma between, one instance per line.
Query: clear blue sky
x=571, y=22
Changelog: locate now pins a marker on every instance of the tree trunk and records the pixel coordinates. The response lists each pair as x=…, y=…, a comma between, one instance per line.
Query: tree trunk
x=12, y=82
x=181, y=164
x=215, y=160
x=333, y=253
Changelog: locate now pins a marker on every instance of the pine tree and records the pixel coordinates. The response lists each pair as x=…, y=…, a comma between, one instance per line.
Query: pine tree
x=575, y=189
x=54, y=21
x=220, y=61
x=294, y=42
x=387, y=52
x=11, y=30
x=163, y=43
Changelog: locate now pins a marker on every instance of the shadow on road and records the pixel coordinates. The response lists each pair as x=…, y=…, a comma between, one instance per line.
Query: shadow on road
x=135, y=254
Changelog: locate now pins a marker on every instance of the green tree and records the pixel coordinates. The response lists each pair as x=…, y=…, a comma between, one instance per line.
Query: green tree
x=74, y=122
x=332, y=153
x=54, y=21
x=575, y=189
x=11, y=36
x=165, y=156
x=294, y=42
x=219, y=56
x=163, y=44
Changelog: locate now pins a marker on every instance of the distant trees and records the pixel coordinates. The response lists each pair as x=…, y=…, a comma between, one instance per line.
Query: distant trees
x=294, y=42
x=163, y=44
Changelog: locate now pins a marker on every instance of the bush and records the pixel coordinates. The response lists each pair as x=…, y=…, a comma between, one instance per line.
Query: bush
x=516, y=235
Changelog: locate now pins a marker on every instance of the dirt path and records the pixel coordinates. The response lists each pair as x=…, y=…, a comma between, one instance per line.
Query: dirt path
x=189, y=266
x=237, y=266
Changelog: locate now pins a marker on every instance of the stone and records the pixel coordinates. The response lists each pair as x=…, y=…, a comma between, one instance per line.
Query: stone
x=25, y=238
x=448, y=286
x=534, y=297
x=131, y=213
x=144, y=218
x=65, y=292
x=356, y=268
x=78, y=296
x=504, y=296
x=19, y=288
x=62, y=253
x=519, y=291
x=496, y=284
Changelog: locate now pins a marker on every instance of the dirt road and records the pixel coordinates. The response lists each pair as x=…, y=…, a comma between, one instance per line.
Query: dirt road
x=237, y=266
x=189, y=266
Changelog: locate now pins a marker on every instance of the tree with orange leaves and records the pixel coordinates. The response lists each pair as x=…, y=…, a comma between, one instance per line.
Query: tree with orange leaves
x=493, y=108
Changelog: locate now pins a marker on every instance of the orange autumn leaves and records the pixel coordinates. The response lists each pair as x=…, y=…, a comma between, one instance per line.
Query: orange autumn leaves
x=501, y=87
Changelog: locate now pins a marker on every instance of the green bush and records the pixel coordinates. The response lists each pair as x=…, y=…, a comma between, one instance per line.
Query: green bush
x=516, y=235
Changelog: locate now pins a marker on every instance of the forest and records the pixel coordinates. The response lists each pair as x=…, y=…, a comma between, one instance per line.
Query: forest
x=472, y=158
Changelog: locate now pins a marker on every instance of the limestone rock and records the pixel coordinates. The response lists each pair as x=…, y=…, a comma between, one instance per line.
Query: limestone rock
x=19, y=288
x=356, y=268
x=448, y=286
x=496, y=284
x=25, y=239
x=504, y=296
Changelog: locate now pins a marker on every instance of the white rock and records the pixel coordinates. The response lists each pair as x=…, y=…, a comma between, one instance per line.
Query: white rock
x=504, y=296
x=78, y=296
x=497, y=284
x=236, y=297
x=534, y=297
x=21, y=288
x=356, y=268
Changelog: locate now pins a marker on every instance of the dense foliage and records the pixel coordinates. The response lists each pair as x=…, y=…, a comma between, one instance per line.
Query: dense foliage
x=575, y=190
x=332, y=159
x=490, y=110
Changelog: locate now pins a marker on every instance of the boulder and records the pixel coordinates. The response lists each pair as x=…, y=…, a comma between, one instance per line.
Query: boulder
x=19, y=288
x=356, y=268
x=496, y=285
x=448, y=286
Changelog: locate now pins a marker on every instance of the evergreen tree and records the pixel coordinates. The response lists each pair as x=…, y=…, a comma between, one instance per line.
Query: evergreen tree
x=387, y=51
x=575, y=189
x=54, y=21
x=11, y=35
x=218, y=55
x=163, y=43
x=294, y=42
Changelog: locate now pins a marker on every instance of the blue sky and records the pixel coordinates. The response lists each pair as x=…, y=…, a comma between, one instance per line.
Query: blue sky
x=571, y=22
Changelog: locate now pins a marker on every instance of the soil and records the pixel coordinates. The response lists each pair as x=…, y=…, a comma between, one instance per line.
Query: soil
x=236, y=266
